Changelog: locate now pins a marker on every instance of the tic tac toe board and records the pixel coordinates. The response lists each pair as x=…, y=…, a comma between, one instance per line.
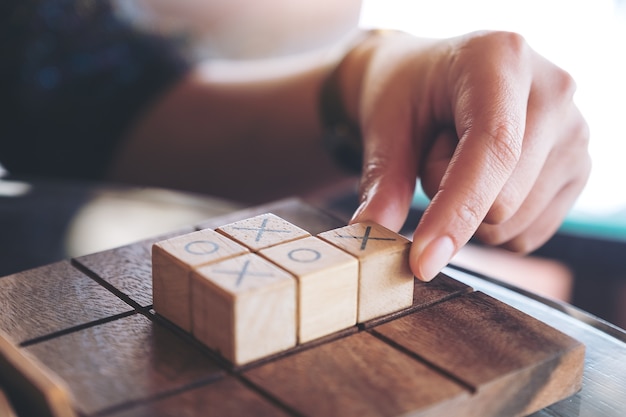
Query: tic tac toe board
x=454, y=352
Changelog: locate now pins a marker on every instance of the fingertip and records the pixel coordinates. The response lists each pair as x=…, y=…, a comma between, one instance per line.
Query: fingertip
x=358, y=215
x=385, y=202
x=426, y=262
x=386, y=210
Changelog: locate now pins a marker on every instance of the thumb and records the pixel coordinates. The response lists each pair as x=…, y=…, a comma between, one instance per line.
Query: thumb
x=389, y=173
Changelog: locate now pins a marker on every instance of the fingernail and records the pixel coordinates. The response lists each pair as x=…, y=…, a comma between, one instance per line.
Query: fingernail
x=435, y=257
x=358, y=211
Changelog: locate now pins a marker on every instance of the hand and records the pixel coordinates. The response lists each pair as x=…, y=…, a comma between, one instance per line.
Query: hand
x=486, y=123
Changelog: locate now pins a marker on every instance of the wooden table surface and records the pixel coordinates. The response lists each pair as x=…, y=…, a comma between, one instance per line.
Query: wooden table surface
x=137, y=364
x=604, y=378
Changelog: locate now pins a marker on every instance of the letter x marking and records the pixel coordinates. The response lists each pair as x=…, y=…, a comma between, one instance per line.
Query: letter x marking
x=262, y=229
x=366, y=237
x=241, y=274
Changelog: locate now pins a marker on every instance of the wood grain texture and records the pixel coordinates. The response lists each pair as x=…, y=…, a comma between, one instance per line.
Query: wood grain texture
x=385, y=278
x=126, y=360
x=515, y=364
x=226, y=397
x=328, y=281
x=441, y=288
x=32, y=389
x=244, y=308
x=128, y=268
x=172, y=262
x=52, y=298
x=357, y=376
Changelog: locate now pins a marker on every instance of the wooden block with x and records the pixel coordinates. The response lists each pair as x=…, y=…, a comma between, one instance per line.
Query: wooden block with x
x=244, y=308
x=385, y=278
x=262, y=231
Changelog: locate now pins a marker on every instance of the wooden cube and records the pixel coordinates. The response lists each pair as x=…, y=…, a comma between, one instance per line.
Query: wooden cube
x=385, y=277
x=173, y=260
x=244, y=308
x=262, y=231
x=328, y=281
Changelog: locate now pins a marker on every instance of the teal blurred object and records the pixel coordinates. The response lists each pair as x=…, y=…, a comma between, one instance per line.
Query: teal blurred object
x=609, y=226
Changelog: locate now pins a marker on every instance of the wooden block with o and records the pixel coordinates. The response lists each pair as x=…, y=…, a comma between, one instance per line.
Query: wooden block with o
x=327, y=285
x=385, y=278
x=173, y=260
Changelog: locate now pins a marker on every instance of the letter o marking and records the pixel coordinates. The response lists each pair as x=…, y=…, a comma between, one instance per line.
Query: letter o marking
x=201, y=247
x=304, y=255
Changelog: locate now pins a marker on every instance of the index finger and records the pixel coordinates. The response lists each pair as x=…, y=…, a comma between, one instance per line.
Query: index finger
x=489, y=109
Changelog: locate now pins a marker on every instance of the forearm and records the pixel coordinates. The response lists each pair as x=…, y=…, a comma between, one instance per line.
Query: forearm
x=240, y=130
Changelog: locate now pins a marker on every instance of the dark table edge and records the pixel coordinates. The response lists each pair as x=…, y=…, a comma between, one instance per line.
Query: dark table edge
x=568, y=309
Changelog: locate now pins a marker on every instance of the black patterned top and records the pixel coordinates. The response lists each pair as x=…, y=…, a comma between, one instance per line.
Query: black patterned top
x=74, y=75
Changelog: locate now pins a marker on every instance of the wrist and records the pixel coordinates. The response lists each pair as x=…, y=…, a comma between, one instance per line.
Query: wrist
x=339, y=102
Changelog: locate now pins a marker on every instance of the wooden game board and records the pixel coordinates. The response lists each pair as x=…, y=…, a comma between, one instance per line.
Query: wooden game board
x=455, y=352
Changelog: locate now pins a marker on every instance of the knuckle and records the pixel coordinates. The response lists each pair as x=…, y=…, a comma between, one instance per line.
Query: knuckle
x=573, y=150
x=504, y=37
x=504, y=144
x=583, y=166
x=587, y=166
x=495, y=47
x=565, y=85
x=469, y=215
x=582, y=132
x=511, y=41
x=503, y=208
x=510, y=44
